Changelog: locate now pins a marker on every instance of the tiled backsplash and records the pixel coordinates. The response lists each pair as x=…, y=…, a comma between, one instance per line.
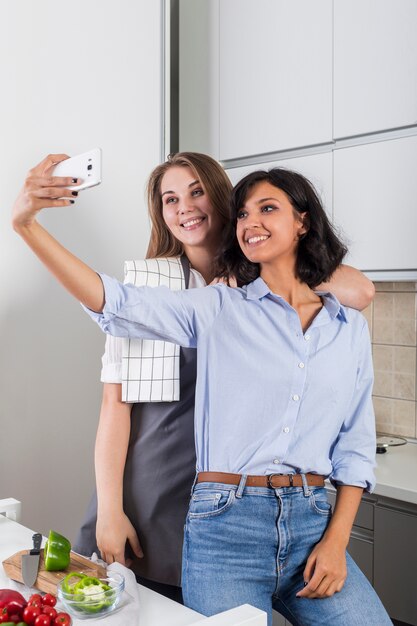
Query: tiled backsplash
x=392, y=323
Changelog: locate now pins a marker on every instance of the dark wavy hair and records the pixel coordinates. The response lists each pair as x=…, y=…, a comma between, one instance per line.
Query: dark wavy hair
x=319, y=251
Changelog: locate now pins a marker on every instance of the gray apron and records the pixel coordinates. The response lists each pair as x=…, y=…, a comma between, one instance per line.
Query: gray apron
x=158, y=476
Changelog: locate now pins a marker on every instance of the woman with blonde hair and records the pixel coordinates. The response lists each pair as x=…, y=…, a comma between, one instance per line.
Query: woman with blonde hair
x=145, y=454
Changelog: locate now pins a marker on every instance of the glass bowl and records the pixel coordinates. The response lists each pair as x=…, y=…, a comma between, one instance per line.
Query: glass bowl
x=90, y=603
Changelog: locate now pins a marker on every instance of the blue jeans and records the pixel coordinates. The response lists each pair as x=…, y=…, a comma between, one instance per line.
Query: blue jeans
x=250, y=545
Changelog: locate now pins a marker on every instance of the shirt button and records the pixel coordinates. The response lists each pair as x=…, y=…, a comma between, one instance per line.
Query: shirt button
x=276, y=461
x=295, y=397
x=286, y=429
x=306, y=337
x=301, y=366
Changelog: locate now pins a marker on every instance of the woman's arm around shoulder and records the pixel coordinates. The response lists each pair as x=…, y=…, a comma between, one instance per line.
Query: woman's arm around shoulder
x=350, y=287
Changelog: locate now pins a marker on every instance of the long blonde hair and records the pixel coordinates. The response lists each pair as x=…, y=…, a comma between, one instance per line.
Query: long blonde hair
x=215, y=182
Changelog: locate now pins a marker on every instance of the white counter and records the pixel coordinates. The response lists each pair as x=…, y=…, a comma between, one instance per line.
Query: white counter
x=396, y=473
x=154, y=609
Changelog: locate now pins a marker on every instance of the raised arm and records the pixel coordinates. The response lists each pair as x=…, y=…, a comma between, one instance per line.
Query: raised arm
x=42, y=190
x=350, y=287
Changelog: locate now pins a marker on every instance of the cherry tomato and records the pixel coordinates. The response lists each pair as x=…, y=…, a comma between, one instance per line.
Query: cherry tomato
x=42, y=620
x=49, y=599
x=30, y=613
x=2, y=604
x=14, y=618
x=35, y=602
x=49, y=610
x=62, y=619
x=35, y=596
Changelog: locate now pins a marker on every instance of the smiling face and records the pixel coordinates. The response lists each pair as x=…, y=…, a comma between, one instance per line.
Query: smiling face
x=268, y=226
x=187, y=210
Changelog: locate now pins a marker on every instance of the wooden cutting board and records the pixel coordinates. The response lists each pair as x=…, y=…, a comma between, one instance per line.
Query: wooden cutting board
x=47, y=581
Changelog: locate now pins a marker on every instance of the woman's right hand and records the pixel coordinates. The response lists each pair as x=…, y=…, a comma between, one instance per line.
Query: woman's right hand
x=112, y=534
x=41, y=190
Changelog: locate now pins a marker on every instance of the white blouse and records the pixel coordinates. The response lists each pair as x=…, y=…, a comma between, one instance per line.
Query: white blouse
x=111, y=370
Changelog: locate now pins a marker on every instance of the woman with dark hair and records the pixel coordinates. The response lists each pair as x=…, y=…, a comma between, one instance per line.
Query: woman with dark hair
x=283, y=401
x=319, y=250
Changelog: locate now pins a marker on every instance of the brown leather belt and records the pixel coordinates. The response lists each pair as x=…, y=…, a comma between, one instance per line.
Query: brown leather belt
x=274, y=481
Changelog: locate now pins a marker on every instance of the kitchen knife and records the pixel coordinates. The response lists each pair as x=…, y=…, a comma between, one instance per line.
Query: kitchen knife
x=30, y=562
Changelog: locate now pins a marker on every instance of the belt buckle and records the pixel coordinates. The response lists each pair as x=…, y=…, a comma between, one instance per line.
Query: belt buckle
x=270, y=476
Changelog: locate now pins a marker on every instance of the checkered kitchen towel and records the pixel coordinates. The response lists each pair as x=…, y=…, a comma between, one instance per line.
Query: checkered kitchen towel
x=151, y=369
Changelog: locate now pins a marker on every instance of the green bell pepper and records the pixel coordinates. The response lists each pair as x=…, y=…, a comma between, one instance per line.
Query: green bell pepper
x=90, y=581
x=66, y=586
x=90, y=593
x=57, y=552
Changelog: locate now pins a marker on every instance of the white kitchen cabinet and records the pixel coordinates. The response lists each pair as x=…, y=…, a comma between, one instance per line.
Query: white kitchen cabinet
x=258, y=79
x=370, y=193
x=317, y=168
x=255, y=77
x=375, y=203
x=375, y=65
x=275, y=75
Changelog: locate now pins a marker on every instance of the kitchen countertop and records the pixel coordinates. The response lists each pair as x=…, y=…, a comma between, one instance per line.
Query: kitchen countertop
x=153, y=609
x=396, y=473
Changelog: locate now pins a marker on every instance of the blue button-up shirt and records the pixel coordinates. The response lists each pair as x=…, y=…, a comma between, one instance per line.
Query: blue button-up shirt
x=270, y=398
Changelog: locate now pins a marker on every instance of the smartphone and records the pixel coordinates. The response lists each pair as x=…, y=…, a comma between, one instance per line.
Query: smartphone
x=86, y=166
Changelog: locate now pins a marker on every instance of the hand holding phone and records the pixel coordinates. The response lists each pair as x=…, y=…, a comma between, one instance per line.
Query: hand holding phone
x=86, y=166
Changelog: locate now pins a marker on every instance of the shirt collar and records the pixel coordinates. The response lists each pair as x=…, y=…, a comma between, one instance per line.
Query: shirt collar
x=333, y=306
x=259, y=289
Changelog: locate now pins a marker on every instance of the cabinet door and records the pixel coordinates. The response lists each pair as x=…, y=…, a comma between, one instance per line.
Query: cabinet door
x=317, y=168
x=279, y=620
x=361, y=550
x=375, y=65
x=374, y=201
x=395, y=562
x=275, y=70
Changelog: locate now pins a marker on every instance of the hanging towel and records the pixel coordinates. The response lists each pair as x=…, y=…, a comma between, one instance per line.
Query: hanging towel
x=151, y=369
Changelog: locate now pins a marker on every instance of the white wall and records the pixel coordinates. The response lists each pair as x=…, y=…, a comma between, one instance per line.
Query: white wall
x=74, y=75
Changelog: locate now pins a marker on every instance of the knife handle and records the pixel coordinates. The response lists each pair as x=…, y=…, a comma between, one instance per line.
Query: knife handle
x=37, y=540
